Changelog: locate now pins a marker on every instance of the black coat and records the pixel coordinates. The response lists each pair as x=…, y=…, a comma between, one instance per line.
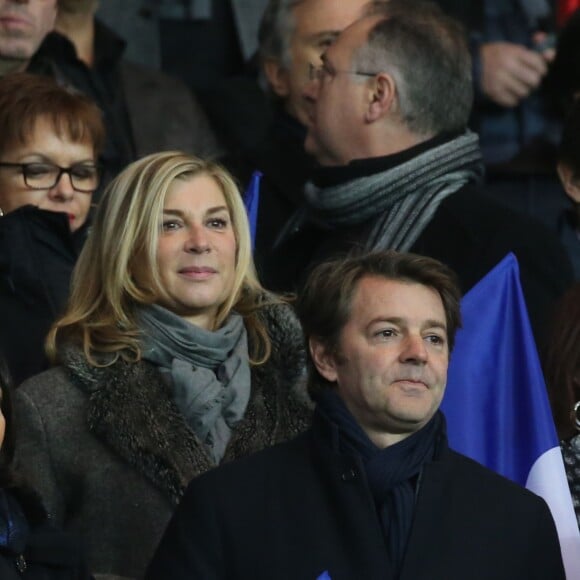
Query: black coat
x=285, y=168
x=37, y=256
x=469, y=232
x=49, y=555
x=144, y=111
x=302, y=508
x=40, y=552
x=111, y=454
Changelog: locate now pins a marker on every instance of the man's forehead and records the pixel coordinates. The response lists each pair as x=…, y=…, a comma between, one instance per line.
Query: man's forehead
x=378, y=295
x=350, y=39
x=358, y=30
x=326, y=17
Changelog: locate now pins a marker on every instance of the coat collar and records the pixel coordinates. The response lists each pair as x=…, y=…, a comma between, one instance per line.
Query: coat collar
x=433, y=510
x=131, y=410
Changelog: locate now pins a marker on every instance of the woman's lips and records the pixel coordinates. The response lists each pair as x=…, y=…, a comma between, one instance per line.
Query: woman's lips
x=198, y=272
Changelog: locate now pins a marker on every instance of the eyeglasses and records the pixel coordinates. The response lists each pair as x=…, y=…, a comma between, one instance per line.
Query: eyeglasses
x=84, y=177
x=318, y=73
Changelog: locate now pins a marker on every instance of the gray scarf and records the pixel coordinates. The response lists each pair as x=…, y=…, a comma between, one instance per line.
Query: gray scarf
x=404, y=198
x=208, y=370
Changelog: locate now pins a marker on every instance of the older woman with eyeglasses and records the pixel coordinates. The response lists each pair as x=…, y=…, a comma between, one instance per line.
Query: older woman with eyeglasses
x=50, y=138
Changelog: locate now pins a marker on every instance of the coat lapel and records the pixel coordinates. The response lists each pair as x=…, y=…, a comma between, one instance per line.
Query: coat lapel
x=131, y=410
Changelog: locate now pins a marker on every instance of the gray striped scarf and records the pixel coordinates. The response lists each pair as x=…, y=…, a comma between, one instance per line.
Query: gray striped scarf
x=404, y=198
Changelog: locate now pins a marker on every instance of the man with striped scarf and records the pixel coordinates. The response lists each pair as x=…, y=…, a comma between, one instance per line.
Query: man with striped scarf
x=399, y=170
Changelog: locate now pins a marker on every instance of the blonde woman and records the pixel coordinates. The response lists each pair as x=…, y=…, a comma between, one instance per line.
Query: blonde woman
x=173, y=359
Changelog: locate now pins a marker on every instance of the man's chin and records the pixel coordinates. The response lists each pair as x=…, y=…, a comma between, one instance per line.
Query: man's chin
x=312, y=147
x=310, y=144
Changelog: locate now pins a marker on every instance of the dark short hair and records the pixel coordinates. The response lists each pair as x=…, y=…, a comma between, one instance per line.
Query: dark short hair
x=427, y=53
x=324, y=305
x=561, y=361
x=25, y=98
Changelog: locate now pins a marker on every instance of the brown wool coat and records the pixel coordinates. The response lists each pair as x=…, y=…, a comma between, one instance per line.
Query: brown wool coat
x=111, y=454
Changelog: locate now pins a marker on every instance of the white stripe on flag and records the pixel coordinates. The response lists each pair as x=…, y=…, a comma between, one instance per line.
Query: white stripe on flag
x=547, y=478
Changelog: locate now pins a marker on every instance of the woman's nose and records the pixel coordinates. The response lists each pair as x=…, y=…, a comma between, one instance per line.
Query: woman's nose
x=197, y=240
x=63, y=188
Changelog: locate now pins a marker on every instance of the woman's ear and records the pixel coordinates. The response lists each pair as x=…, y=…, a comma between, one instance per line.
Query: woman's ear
x=324, y=359
x=570, y=181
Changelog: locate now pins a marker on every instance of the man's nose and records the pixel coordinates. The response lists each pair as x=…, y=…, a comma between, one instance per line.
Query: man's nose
x=310, y=90
x=414, y=350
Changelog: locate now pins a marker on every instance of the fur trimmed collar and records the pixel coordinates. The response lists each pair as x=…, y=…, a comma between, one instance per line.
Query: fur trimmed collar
x=131, y=410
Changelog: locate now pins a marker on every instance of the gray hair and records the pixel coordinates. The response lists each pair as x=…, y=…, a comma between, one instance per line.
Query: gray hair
x=276, y=29
x=426, y=52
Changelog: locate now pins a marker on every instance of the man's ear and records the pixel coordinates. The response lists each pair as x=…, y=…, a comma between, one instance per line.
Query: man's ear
x=324, y=360
x=277, y=77
x=382, y=97
x=570, y=181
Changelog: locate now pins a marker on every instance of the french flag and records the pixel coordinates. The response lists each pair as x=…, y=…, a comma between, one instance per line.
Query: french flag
x=496, y=402
x=251, y=199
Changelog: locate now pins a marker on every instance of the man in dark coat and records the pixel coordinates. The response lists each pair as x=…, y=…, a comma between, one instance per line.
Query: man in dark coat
x=292, y=35
x=389, y=109
x=372, y=490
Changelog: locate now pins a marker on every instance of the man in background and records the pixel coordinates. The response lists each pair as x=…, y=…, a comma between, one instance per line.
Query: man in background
x=145, y=111
x=513, y=45
x=389, y=110
x=23, y=26
x=293, y=34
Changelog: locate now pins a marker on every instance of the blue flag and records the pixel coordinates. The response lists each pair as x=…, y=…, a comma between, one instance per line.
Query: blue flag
x=496, y=403
x=252, y=201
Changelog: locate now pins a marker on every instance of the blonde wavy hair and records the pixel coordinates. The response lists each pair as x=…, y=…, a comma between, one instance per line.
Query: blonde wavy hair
x=100, y=315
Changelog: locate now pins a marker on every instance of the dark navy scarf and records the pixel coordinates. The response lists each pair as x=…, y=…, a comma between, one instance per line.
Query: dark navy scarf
x=392, y=473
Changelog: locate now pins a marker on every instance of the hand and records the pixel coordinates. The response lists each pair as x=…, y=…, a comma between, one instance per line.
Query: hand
x=510, y=72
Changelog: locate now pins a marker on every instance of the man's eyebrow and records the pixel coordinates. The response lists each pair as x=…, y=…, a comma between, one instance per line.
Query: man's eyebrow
x=430, y=323
x=435, y=324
